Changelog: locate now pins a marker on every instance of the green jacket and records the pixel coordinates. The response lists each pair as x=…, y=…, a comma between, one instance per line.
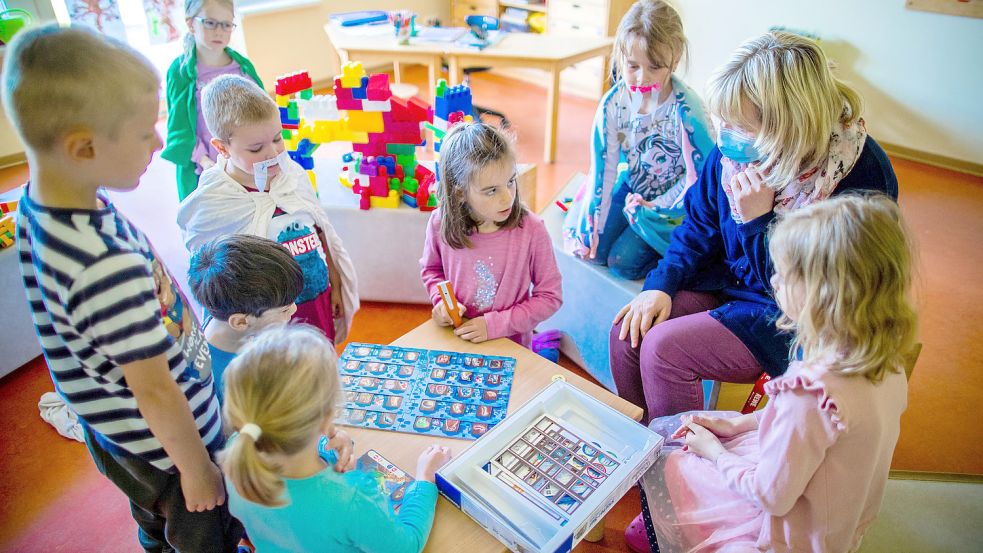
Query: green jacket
x=182, y=116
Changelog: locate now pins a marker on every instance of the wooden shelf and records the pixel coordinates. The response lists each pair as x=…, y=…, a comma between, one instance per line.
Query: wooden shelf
x=536, y=7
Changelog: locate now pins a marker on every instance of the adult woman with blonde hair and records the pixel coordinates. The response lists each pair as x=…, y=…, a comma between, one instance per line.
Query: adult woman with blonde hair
x=789, y=135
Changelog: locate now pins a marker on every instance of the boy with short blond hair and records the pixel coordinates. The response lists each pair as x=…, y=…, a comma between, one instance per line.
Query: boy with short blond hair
x=114, y=329
x=255, y=188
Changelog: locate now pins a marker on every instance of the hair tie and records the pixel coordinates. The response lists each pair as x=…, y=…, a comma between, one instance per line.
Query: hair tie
x=251, y=430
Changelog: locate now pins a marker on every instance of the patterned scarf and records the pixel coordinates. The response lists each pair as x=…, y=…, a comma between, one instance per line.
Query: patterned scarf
x=816, y=184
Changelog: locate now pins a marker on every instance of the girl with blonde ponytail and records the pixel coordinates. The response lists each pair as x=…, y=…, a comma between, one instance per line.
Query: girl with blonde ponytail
x=281, y=396
x=206, y=56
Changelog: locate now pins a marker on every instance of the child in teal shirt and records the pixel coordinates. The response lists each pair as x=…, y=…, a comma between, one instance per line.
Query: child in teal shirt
x=281, y=392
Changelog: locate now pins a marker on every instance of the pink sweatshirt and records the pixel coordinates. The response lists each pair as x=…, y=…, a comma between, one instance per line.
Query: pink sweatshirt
x=825, y=446
x=492, y=278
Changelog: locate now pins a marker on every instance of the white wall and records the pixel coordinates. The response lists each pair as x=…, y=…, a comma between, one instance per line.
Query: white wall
x=921, y=74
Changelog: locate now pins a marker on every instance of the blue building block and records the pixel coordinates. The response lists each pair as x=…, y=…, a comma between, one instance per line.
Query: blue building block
x=361, y=93
x=307, y=162
x=455, y=98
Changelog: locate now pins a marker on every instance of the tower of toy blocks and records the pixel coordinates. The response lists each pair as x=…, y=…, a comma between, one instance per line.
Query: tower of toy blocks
x=383, y=168
x=291, y=92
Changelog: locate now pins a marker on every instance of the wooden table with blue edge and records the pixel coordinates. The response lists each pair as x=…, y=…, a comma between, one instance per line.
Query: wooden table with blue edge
x=550, y=53
x=452, y=529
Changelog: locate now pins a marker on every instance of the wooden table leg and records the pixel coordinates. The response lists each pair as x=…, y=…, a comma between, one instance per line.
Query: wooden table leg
x=396, y=72
x=552, y=114
x=434, y=74
x=455, y=71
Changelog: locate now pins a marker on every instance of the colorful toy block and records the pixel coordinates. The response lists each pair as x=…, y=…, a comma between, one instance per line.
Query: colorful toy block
x=293, y=83
x=8, y=207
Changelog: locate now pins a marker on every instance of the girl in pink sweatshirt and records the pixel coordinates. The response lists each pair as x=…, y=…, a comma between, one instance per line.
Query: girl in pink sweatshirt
x=486, y=243
x=808, y=472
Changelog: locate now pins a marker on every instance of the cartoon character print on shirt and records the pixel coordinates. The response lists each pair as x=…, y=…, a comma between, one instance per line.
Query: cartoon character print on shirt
x=304, y=244
x=180, y=324
x=658, y=160
x=487, y=287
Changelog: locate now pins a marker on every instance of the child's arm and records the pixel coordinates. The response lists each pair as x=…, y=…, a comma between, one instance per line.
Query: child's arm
x=376, y=530
x=431, y=264
x=164, y=407
x=792, y=449
x=334, y=277
x=115, y=305
x=546, y=296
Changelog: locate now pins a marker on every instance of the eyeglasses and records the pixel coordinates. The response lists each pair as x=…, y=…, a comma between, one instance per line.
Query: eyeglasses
x=212, y=24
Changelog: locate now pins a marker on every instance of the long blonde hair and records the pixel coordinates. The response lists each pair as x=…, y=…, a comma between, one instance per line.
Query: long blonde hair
x=285, y=381
x=191, y=10
x=660, y=29
x=851, y=257
x=466, y=149
x=782, y=84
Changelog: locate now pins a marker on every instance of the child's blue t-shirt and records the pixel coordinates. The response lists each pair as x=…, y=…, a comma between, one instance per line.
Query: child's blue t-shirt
x=326, y=512
x=220, y=360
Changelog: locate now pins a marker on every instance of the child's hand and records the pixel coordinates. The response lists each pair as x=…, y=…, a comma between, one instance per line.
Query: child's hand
x=702, y=442
x=753, y=198
x=337, y=304
x=719, y=426
x=204, y=491
x=430, y=460
x=344, y=446
x=442, y=317
x=474, y=330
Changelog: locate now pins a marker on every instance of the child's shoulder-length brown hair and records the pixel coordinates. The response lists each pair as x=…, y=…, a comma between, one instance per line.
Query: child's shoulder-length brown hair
x=466, y=149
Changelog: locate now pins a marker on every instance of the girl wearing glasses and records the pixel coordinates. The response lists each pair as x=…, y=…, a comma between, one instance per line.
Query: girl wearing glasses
x=206, y=56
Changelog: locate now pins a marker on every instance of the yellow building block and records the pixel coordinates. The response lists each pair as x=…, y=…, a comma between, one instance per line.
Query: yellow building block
x=365, y=121
x=343, y=179
x=351, y=74
x=282, y=101
x=389, y=202
x=313, y=177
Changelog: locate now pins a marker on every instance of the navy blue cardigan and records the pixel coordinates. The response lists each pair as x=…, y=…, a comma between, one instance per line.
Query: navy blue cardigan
x=710, y=252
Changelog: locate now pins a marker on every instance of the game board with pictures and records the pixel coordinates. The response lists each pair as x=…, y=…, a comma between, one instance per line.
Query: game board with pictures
x=556, y=469
x=546, y=475
x=440, y=393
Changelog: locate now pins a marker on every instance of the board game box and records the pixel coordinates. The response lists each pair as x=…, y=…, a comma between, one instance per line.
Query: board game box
x=419, y=391
x=545, y=476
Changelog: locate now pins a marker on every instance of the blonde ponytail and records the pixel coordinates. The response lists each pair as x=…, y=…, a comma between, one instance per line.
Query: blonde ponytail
x=285, y=381
x=254, y=478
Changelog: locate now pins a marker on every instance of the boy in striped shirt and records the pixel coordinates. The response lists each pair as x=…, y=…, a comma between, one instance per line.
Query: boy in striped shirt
x=123, y=349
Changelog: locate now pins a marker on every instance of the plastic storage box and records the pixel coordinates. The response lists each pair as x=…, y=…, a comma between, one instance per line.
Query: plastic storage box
x=542, y=478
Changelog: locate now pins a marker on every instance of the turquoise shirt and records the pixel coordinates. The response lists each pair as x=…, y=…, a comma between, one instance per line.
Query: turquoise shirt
x=220, y=360
x=327, y=512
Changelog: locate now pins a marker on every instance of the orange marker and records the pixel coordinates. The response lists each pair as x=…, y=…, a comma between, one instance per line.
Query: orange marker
x=450, y=302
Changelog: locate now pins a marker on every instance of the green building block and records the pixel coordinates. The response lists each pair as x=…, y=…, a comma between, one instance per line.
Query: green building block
x=307, y=93
x=400, y=149
x=292, y=111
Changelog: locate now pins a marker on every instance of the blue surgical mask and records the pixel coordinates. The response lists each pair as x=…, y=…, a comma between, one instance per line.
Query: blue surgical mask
x=737, y=146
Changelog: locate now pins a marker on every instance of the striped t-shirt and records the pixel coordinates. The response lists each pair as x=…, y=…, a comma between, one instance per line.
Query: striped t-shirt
x=100, y=300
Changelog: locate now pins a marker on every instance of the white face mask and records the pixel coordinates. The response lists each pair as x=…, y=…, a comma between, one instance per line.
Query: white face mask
x=261, y=168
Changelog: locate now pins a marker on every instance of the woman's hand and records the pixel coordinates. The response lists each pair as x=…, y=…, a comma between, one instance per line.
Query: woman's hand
x=752, y=197
x=646, y=310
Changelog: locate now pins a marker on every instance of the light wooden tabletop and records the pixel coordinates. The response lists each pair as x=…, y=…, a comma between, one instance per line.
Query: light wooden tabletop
x=453, y=530
x=528, y=46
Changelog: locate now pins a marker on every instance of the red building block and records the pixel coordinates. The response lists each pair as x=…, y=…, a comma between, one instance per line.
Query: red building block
x=293, y=83
x=378, y=89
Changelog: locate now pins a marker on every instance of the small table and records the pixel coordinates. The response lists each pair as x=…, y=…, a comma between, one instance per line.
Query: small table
x=548, y=52
x=452, y=529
